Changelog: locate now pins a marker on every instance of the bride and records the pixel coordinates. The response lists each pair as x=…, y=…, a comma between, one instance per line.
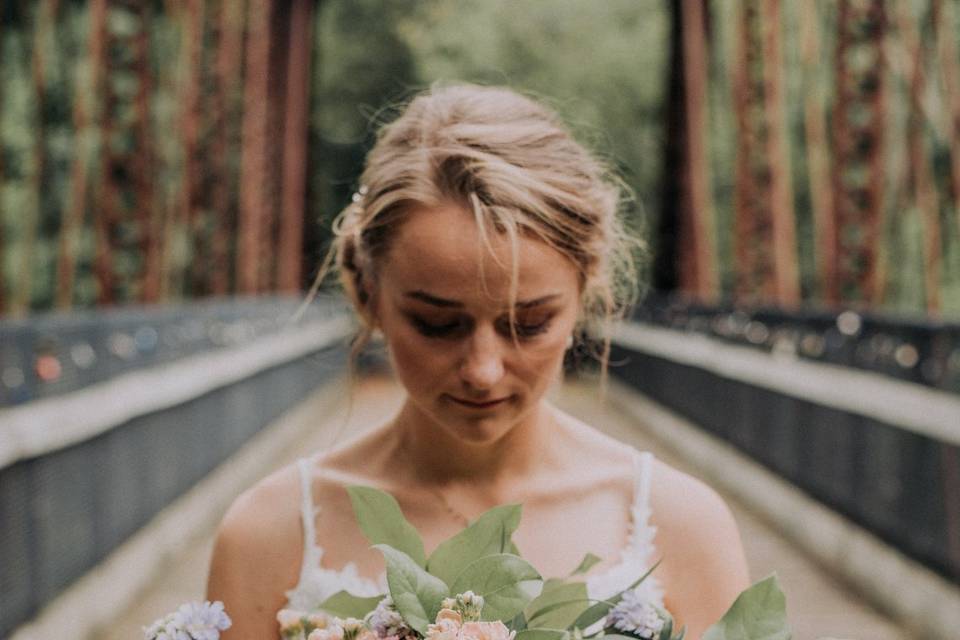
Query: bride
x=482, y=239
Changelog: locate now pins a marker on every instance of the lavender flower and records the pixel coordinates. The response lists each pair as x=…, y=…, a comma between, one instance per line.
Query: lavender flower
x=636, y=616
x=191, y=621
x=386, y=621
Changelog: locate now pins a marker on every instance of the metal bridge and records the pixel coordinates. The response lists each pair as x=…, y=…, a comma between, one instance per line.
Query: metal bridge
x=124, y=435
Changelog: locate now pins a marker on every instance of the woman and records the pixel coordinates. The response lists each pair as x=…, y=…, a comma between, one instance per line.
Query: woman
x=484, y=237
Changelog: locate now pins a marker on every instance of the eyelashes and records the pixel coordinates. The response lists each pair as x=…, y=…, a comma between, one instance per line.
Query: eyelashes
x=459, y=328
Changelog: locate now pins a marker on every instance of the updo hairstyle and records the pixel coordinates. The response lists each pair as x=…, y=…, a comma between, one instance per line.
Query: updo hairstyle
x=511, y=162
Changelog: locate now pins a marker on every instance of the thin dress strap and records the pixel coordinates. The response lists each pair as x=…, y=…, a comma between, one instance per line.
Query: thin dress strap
x=635, y=557
x=308, y=514
x=643, y=465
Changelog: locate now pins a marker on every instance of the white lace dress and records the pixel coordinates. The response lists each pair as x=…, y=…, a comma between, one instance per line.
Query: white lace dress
x=317, y=583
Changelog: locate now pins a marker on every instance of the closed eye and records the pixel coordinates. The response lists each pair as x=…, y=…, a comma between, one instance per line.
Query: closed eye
x=436, y=330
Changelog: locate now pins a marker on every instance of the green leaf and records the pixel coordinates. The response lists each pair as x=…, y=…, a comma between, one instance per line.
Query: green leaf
x=759, y=613
x=500, y=579
x=519, y=622
x=416, y=593
x=347, y=605
x=543, y=634
x=382, y=522
x=558, y=605
x=588, y=562
x=487, y=535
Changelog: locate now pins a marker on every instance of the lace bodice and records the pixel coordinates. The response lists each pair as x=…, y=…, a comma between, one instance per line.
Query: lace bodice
x=317, y=583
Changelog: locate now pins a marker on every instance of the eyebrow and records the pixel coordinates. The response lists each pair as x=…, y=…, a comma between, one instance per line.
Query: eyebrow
x=423, y=296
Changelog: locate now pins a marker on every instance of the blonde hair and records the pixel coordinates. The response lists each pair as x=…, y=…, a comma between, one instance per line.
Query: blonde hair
x=511, y=162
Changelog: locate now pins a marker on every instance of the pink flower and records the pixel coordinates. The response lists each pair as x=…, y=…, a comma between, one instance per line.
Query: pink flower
x=450, y=626
x=330, y=633
x=447, y=626
x=486, y=631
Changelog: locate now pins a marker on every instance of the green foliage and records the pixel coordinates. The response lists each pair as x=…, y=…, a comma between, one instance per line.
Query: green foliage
x=487, y=535
x=759, y=613
x=558, y=605
x=346, y=605
x=416, y=594
x=502, y=581
x=589, y=561
x=381, y=520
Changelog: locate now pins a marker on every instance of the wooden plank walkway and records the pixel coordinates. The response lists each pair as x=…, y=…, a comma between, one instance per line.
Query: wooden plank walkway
x=817, y=605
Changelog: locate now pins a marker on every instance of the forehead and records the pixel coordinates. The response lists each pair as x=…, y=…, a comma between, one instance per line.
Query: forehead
x=443, y=252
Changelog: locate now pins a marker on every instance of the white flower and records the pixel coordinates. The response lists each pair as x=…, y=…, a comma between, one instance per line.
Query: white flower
x=636, y=616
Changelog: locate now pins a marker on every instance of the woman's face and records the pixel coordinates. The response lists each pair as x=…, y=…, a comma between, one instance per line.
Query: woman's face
x=443, y=304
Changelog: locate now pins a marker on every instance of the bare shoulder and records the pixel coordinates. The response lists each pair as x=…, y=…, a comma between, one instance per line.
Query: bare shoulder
x=703, y=564
x=257, y=554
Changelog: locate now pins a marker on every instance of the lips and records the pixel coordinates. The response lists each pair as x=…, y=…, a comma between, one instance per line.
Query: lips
x=479, y=405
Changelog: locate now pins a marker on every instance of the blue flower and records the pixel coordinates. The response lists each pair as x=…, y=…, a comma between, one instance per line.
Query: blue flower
x=191, y=621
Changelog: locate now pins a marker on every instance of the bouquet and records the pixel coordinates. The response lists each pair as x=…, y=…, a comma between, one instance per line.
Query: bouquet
x=476, y=586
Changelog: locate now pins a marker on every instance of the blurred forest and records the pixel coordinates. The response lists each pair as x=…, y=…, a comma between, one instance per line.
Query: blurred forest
x=161, y=150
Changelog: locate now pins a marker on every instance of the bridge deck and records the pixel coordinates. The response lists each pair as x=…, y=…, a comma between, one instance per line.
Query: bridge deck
x=818, y=605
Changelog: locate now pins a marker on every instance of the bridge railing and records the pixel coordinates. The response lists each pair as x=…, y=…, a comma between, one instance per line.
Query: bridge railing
x=862, y=413
x=93, y=447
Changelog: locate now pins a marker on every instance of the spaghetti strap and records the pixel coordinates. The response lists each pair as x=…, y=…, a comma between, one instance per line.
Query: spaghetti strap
x=643, y=463
x=308, y=515
x=638, y=553
x=318, y=583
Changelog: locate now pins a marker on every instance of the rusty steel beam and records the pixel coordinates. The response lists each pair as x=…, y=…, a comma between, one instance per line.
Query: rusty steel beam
x=698, y=270
x=290, y=253
x=944, y=25
x=923, y=188
x=753, y=233
x=144, y=165
x=254, y=159
x=81, y=169
x=124, y=220
x=765, y=239
x=858, y=143
x=816, y=143
x=192, y=168
x=785, y=269
x=225, y=142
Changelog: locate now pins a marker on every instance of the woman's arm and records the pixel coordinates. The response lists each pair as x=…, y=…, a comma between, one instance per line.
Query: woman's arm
x=704, y=568
x=256, y=558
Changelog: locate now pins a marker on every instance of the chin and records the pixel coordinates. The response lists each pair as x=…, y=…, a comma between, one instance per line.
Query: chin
x=486, y=427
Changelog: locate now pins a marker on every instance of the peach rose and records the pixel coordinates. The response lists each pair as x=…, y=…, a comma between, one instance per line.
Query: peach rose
x=447, y=626
x=334, y=632
x=486, y=631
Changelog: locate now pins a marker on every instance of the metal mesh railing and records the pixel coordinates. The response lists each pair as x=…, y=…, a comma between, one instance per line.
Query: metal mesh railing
x=899, y=481
x=65, y=510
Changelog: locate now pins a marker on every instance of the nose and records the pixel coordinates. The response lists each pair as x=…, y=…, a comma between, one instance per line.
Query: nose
x=482, y=365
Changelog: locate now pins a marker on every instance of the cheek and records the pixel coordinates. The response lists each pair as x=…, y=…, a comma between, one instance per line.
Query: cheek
x=415, y=361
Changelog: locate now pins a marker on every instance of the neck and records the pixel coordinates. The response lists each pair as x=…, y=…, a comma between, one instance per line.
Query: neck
x=437, y=457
